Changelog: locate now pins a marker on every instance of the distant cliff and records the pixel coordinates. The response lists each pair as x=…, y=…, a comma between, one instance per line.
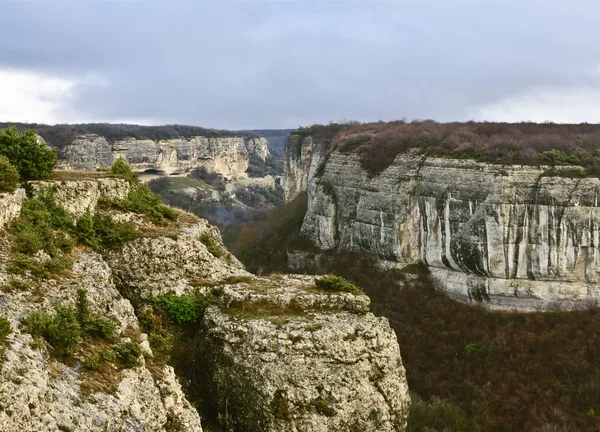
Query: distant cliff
x=226, y=156
x=510, y=236
x=170, y=149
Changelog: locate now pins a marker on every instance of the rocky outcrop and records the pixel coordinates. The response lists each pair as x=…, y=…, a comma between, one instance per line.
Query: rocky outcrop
x=301, y=160
x=10, y=205
x=511, y=236
x=257, y=146
x=80, y=196
x=39, y=392
x=226, y=156
x=277, y=353
x=283, y=356
x=321, y=363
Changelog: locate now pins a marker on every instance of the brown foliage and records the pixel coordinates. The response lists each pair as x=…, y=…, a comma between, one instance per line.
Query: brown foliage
x=506, y=143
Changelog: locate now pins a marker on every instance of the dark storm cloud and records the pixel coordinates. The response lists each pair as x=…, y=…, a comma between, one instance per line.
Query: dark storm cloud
x=257, y=64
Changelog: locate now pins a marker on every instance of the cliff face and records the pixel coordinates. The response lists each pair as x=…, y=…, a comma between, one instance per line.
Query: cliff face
x=276, y=354
x=511, y=236
x=301, y=158
x=226, y=156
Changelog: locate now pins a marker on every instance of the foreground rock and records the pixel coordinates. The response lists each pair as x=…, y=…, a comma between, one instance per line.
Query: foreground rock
x=280, y=355
x=41, y=393
x=275, y=354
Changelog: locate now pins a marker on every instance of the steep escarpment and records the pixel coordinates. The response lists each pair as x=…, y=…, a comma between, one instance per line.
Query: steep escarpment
x=227, y=156
x=512, y=236
x=258, y=354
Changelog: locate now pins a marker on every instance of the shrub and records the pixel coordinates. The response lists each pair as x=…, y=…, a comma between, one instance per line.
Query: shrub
x=43, y=225
x=32, y=159
x=161, y=342
x=95, y=361
x=61, y=330
x=211, y=244
x=142, y=200
x=93, y=325
x=332, y=282
x=5, y=328
x=85, y=232
x=128, y=353
x=9, y=177
x=185, y=309
x=102, y=231
x=113, y=234
x=22, y=264
x=121, y=167
x=64, y=329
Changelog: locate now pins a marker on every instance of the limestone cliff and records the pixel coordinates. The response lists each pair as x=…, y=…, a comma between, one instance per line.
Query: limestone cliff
x=227, y=156
x=277, y=354
x=511, y=236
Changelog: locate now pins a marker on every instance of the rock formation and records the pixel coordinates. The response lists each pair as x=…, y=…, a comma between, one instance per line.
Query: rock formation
x=511, y=236
x=279, y=354
x=226, y=156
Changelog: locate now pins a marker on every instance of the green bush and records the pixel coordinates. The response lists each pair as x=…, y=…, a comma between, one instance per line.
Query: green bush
x=332, y=282
x=32, y=159
x=43, y=225
x=161, y=342
x=93, y=325
x=95, y=361
x=142, y=200
x=64, y=328
x=85, y=232
x=5, y=328
x=102, y=232
x=61, y=330
x=211, y=244
x=9, y=177
x=122, y=168
x=22, y=263
x=128, y=353
x=184, y=309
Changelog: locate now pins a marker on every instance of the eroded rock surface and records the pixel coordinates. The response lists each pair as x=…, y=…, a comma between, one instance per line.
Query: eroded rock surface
x=41, y=393
x=227, y=156
x=277, y=354
x=513, y=236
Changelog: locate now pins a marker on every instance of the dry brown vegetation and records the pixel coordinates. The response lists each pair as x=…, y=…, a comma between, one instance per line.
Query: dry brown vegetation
x=504, y=143
x=65, y=175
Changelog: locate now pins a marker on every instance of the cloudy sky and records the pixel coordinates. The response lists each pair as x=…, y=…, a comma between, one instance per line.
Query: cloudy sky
x=257, y=64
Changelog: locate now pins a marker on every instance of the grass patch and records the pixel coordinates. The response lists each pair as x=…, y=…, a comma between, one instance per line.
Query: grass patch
x=64, y=175
x=335, y=283
x=263, y=309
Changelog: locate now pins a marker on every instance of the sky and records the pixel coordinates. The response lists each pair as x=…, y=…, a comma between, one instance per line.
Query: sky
x=284, y=64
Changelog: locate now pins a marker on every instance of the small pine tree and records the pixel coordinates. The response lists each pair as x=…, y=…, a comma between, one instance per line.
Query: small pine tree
x=32, y=159
x=122, y=168
x=9, y=177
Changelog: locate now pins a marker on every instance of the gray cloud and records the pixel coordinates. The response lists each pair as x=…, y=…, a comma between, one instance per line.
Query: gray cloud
x=258, y=64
